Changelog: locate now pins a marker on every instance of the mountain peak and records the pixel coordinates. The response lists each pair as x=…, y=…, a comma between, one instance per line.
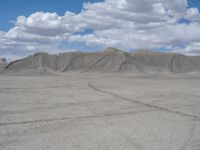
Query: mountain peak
x=111, y=60
x=3, y=60
x=111, y=49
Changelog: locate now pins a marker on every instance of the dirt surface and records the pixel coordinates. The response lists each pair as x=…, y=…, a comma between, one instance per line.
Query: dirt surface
x=99, y=112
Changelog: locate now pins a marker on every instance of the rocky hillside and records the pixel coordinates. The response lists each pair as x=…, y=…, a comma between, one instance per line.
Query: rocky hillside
x=3, y=63
x=109, y=60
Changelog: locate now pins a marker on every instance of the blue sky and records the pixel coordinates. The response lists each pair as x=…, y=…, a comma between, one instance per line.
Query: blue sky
x=194, y=3
x=30, y=26
x=11, y=9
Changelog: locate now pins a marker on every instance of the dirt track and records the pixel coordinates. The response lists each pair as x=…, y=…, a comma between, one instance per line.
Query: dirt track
x=99, y=111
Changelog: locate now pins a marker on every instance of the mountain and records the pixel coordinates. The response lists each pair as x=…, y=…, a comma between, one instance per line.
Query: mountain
x=3, y=63
x=114, y=60
x=109, y=60
x=166, y=62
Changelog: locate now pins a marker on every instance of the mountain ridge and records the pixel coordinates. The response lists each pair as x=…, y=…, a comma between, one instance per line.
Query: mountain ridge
x=3, y=63
x=109, y=60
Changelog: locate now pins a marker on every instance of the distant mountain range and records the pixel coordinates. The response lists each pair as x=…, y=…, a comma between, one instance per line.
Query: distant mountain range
x=3, y=63
x=109, y=60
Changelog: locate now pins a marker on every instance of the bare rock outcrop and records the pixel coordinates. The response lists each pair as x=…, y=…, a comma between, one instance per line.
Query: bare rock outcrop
x=109, y=60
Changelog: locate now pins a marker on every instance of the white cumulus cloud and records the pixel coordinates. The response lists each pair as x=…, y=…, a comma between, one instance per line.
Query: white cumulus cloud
x=126, y=24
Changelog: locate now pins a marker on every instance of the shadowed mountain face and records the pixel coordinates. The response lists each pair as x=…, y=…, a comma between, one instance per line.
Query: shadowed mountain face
x=110, y=60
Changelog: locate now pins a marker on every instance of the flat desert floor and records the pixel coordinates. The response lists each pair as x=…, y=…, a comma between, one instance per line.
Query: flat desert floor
x=99, y=112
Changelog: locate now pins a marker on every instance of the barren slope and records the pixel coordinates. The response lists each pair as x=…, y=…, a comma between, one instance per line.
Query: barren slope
x=110, y=60
x=166, y=62
x=3, y=63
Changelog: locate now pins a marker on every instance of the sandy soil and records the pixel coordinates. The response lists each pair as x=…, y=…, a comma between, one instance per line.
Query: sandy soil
x=99, y=112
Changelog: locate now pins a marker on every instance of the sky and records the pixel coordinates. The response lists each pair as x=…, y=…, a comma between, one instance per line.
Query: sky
x=31, y=26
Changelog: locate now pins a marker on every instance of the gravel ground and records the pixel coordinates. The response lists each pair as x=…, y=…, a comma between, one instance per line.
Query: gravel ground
x=99, y=112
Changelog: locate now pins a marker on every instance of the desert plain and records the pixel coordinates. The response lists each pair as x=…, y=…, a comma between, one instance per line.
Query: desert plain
x=99, y=111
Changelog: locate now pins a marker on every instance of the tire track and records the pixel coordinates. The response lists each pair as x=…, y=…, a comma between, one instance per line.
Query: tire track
x=104, y=115
x=143, y=103
x=72, y=118
x=30, y=88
